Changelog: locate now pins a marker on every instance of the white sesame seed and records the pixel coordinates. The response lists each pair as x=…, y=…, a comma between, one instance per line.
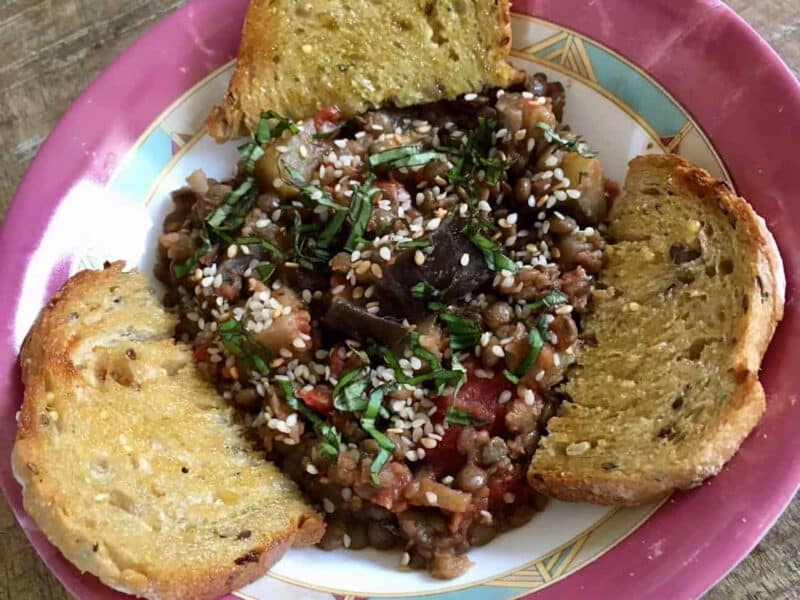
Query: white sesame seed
x=464, y=259
x=498, y=351
x=405, y=558
x=433, y=224
x=347, y=493
x=529, y=397
x=419, y=258
x=574, y=194
x=551, y=161
x=311, y=469
x=328, y=505
x=504, y=397
x=385, y=253
x=346, y=540
x=298, y=343
x=428, y=443
x=432, y=498
x=512, y=218
x=337, y=290
x=470, y=97
x=411, y=455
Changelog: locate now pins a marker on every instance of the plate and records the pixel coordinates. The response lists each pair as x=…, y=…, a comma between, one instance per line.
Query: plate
x=641, y=78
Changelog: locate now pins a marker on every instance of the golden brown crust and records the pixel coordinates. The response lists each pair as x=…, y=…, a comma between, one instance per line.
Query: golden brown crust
x=46, y=364
x=744, y=409
x=258, y=84
x=733, y=425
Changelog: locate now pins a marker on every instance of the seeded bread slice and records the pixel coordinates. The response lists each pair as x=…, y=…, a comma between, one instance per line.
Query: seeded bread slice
x=298, y=57
x=667, y=388
x=133, y=466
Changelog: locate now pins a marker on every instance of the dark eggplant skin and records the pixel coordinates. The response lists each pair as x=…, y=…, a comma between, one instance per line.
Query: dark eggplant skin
x=354, y=321
x=442, y=271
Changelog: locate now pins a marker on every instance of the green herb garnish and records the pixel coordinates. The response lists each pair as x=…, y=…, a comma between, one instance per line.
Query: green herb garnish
x=457, y=416
x=237, y=203
x=493, y=254
x=411, y=244
x=265, y=271
x=537, y=343
x=266, y=131
x=464, y=332
x=373, y=409
x=567, y=144
x=181, y=270
x=249, y=352
x=510, y=376
x=360, y=211
x=551, y=300
x=348, y=394
x=333, y=439
x=257, y=241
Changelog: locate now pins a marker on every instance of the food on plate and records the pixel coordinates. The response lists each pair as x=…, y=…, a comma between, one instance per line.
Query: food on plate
x=667, y=389
x=131, y=464
x=297, y=58
x=393, y=300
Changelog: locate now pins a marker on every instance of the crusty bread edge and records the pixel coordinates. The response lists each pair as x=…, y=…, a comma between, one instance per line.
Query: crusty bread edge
x=744, y=410
x=737, y=419
x=42, y=502
x=228, y=121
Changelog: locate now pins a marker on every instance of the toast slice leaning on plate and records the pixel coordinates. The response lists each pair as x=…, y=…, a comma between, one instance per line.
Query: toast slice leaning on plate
x=134, y=467
x=667, y=387
x=299, y=57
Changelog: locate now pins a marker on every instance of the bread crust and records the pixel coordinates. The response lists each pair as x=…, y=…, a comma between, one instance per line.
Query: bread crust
x=45, y=357
x=740, y=415
x=263, y=37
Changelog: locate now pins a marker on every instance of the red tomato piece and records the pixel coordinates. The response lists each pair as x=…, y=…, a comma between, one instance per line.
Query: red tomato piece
x=445, y=459
x=501, y=484
x=325, y=120
x=320, y=398
x=480, y=397
x=201, y=354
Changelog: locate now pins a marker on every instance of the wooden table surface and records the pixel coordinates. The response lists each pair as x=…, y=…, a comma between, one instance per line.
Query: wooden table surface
x=51, y=49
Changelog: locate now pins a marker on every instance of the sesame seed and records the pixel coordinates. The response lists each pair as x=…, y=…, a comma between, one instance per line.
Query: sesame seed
x=337, y=290
x=529, y=397
x=346, y=540
x=509, y=498
x=328, y=505
x=385, y=253
x=574, y=194
x=433, y=224
x=470, y=97
x=512, y=218
x=311, y=469
x=564, y=310
x=411, y=455
x=498, y=351
x=419, y=259
x=551, y=161
x=277, y=183
x=405, y=558
x=298, y=343
x=504, y=397
x=432, y=498
x=428, y=443
x=376, y=270
x=464, y=259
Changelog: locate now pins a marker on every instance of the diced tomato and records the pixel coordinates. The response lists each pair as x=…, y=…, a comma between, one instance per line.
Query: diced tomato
x=501, y=484
x=201, y=354
x=480, y=397
x=325, y=120
x=320, y=398
x=444, y=458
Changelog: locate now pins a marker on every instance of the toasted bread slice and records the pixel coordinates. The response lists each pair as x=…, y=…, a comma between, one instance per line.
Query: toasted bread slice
x=667, y=388
x=132, y=465
x=298, y=57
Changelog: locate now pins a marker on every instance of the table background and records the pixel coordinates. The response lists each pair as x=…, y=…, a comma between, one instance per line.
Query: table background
x=49, y=52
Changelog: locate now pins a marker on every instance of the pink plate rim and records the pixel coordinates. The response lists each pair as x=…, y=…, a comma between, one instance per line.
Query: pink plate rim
x=713, y=63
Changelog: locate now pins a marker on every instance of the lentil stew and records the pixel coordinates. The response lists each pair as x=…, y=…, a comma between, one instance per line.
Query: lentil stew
x=393, y=300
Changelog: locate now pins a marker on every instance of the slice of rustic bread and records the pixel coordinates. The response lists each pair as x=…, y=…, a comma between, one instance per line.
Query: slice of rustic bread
x=132, y=465
x=667, y=387
x=298, y=57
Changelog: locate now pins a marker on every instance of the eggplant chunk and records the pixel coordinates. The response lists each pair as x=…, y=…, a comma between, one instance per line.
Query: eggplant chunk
x=353, y=320
x=442, y=271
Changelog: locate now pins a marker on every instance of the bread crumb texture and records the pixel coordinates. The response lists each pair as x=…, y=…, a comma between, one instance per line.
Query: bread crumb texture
x=134, y=467
x=666, y=387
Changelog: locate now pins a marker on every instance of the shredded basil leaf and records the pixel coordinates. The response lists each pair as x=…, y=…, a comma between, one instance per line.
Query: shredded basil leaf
x=249, y=352
x=419, y=243
x=537, y=343
x=360, y=212
x=349, y=392
x=567, y=144
x=266, y=132
x=393, y=154
x=457, y=416
x=377, y=465
x=181, y=270
x=493, y=254
x=510, y=376
x=237, y=203
x=331, y=446
x=385, y=444
x=265, y=271
x=257, y=241
x=464, y=332
x=551, y=300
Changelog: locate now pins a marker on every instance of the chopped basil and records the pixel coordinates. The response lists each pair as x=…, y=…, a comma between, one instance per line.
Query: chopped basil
x=464, y=332
x=393, y=154
x=331, y=446
x=510, y=376
x=309, y=192
x=551, y=300
x=493, y=254
x=423, y=158
x=265, y=271
x=537, y=343
x=181, y=270
x=457, y=416
x=266, y=132
x=385, y=444
x=237, y=203
x=348, y=394
x=249, y=352
x=257, y=241
x=418, y=243
x=360, y=211
x=575, y=144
